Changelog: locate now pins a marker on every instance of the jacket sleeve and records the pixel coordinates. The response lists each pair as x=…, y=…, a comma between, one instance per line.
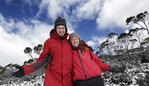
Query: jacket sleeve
x=44, y=58
x=100, y=63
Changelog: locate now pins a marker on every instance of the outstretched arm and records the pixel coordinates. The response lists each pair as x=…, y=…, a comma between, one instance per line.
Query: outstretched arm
x=43, y=59
x=100, y=63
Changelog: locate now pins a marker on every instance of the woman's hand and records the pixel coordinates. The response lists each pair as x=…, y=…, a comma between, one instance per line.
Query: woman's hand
x=117, y=69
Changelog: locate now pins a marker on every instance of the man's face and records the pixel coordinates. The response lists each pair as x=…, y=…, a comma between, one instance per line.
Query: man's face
x=60, y=29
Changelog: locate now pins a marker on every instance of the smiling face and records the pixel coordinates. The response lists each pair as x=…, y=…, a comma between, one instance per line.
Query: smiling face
x=75, y=41
x=61, y=30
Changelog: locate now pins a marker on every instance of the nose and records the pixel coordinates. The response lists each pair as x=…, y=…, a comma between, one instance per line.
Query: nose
x=76, y=41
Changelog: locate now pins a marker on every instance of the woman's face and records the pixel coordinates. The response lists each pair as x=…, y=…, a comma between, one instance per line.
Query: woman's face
x=60, y=29
x=75, y=41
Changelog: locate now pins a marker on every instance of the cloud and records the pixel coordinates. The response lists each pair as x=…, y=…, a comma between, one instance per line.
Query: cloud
x=30, y=32
x=72, y=11
x=91, y=43
x=80, y=9
x=11, y=48
x=96, y=41
x=36, y=33
x=56, y=7
x=115, y=12
x=88, y=10
x=15, y=36
x=107, y=13
x=53, y=6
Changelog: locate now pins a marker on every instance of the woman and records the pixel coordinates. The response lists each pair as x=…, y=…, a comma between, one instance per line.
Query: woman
x=87, y=67
x=58, y=70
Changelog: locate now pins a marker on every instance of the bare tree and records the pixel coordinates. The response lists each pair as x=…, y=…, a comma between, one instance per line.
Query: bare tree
x=112, y=41
x=145, y=42
x=105, y=46
x=37, y=49
x=132, y=42
x=137, y=33
x=28, y=51
x=112, y=34
x=123, y=39
x=140, y=19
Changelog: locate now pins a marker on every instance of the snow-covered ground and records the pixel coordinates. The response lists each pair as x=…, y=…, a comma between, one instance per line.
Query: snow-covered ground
x=135, y=74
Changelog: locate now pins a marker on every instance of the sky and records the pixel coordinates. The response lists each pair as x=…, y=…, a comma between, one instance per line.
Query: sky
x=27, y=23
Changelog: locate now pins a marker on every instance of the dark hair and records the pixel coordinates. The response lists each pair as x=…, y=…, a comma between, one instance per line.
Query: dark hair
x=83, y=46
x=52, y=31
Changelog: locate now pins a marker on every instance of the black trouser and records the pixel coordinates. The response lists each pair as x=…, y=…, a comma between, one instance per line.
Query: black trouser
x=96, y=81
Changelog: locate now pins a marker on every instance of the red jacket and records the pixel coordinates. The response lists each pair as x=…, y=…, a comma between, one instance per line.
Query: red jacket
x=87, y=65
x=58, y=71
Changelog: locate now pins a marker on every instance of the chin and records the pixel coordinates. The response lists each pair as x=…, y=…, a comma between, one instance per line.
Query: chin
x=76, y=46
x=61, y=35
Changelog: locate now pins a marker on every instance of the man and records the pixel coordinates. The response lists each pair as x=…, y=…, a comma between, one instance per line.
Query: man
x=58, y=70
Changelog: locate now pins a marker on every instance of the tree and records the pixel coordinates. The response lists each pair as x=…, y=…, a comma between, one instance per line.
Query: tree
x=123, y=39
x=140, y=19
x=105, y=45
x=28, y=51
x=37, y=49
x=137, y=33
x=145, y=42
x=98, y=52
x=112, y=34
x=133, y=42
x=112, y=41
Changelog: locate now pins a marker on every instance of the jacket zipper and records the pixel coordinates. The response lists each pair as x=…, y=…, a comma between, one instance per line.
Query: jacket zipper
x=82, y=65
x=62, y=61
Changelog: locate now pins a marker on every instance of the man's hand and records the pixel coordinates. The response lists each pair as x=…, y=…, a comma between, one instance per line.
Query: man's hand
x=19, y=73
